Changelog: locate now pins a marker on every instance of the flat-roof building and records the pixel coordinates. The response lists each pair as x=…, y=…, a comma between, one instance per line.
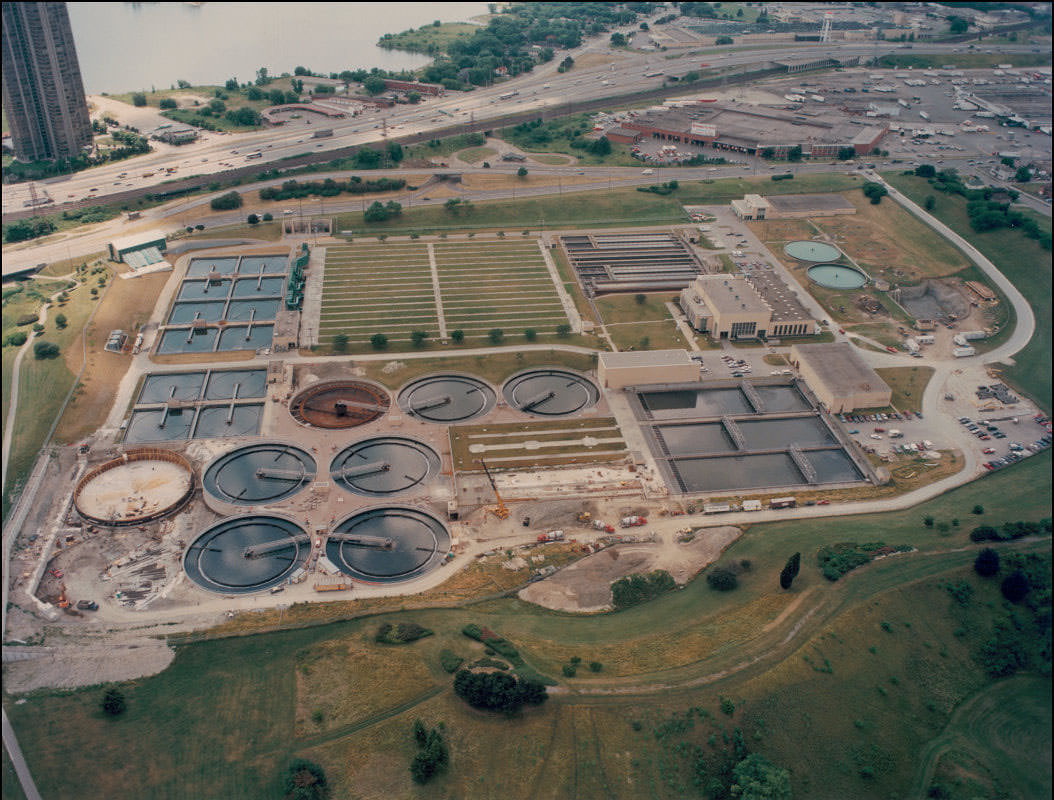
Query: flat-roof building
x=124, y=246
x=839, y=377
x=737, y=307
x=641, y=367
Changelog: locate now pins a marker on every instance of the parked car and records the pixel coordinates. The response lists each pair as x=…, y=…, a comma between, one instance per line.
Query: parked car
x=87, y=605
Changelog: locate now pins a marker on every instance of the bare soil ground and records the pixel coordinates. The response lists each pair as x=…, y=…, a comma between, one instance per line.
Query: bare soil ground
x=586, y=584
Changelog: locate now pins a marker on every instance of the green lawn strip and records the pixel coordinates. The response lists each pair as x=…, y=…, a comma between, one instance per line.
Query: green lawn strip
x=1023, y=262
x=908, y=385
x=964, y=60
x=624, y=307
x=660, y=335
x=12, y=787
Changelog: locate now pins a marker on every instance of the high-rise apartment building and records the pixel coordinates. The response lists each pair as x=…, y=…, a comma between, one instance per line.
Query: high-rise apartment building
x=43, y=91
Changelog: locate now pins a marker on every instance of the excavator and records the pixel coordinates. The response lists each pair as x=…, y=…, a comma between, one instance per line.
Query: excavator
x=502, y=511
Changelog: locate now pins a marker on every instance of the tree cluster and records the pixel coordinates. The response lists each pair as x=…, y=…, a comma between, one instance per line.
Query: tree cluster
x=875, y=191
x=379, y=212
x=432, y=757
x=498, y=691
x=305, y=780
x=330, y=188
x=226, y=202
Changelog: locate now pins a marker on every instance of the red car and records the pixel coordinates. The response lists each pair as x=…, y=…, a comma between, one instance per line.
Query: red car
x=988, y=451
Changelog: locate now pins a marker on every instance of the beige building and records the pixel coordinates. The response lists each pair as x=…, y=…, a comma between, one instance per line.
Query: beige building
x=791, y=206
x=736, y=307
x=839, y=378
x=640, y=367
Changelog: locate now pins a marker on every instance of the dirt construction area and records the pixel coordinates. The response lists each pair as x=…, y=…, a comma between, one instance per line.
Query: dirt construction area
x=586, y=584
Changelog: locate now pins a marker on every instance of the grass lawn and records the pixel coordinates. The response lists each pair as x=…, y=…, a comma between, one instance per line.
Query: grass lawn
x=474, y=154
x=873, y=672
x=1022, y=261
x=662, y=335
x=625, y=308
x=908, y=385
x=964, y=60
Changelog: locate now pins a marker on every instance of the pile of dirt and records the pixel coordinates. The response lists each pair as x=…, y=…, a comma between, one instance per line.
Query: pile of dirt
x=586, y=584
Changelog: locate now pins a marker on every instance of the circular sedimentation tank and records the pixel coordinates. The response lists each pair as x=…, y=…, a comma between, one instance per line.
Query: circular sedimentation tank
x=388, y=544
x=550, y=392
x=446, y=399
x=247, y=554
x=339, y=404
x=837, y=276
x=139, y=486
x=384, y=465
x=814, y=252
x=259, y=473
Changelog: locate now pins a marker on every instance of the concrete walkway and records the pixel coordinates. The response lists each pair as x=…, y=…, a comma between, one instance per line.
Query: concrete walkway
x=437, y=291
x=561, y=291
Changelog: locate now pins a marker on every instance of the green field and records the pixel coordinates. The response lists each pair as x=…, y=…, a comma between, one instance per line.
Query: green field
x=908, y=384
x=388, y=288
x=964, y=60
x=429, y=38
x=1022, y=261
x=845, y=684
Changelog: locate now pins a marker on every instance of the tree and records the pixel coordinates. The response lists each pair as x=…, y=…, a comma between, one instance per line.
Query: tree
x=875, y=191
x=44, y=350
x=231, y=85
x=433, y=756
x=724, y=40
x=496, y=336
x=252, y=219
x=268, y=217
x=305, y=780
x=757, y=778
x=978, y=509
x=522, y=172
x=722, y=579
x=794, y=154
x=167, y=102
x=340, y=342
x=497, y=691
x=930, y=202
x=640, y=299
x=17, y=339
x=790, y=571
x=379, y=341
x=1015, y=586
x=845, y=153
x=926, y=171
x=60, y=321
x=928, y=521
x=1024, y=175
x=374, y=85
x=138, y=99
x=563, y=330
x=957, y=25
x=618, y=39
x=418, y=338
x=254, y=93
x=457, y=336
x=413, y=97
x=113, y=702
x=226, y=202
x=987, y=563
x=530, y=334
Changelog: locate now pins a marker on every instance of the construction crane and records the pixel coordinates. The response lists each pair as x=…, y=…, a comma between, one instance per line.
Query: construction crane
x=502, y=511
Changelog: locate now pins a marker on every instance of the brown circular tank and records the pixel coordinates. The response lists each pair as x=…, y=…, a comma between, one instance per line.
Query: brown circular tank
x=140, y=486
x=339, y=404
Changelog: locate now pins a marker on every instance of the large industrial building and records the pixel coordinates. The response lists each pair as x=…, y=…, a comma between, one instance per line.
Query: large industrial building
x=42, y=87
x=839, y=378
x=736, y=307
x=638, y=368
x=752, y=129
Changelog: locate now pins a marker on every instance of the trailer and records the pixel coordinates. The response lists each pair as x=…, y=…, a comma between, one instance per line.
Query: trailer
x=752, y=505
x=964, y=352
x=716, y=508
x=783, y=502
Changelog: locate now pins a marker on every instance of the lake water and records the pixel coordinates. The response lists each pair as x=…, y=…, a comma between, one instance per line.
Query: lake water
x=126, y=46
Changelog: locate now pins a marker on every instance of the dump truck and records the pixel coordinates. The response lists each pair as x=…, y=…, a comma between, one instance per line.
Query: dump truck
x=598, y=525
x=632, y=522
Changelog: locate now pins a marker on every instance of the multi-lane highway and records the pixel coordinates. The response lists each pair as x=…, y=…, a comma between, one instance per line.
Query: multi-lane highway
x=602, y=72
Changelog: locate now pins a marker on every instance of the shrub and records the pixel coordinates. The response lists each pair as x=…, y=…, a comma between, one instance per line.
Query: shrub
x=790, y=571
x=496, y=336
x=400, y=633
x=978, y=509
x=450, y=660
x=138, y=99
x=640, y=299
x=340, y=342
x=27, y=319
x=305, y=780
x=595, y=666
x=17, y=339
x=457, y=336
x=569, y=670
x=987, y=563
x=961, y=591
x=728, y=706
x=167, y=102
x=44, y=350
x=113, y=702
x=722, y=579
x=418, y=338
x=639, y=588
x=60, y=321
x=268, y=217
x=379, y=341
x=530, y=334
x=563, y=330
